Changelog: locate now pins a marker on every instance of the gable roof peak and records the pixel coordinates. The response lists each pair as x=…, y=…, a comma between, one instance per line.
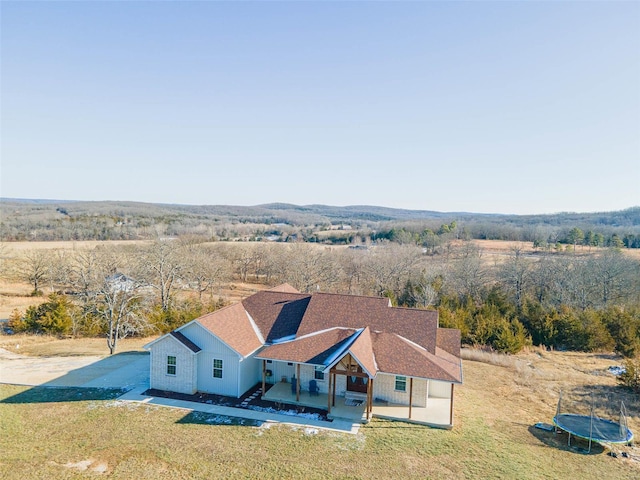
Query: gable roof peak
x=283, y=288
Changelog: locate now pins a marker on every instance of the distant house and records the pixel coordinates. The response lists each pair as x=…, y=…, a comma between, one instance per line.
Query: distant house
x=120, y=282
x=343, y=353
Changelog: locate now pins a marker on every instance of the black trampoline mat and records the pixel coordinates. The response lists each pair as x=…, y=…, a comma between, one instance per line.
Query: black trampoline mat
x=602, y=430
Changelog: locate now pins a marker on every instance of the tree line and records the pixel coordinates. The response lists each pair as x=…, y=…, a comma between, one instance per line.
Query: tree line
x=589, y=301
x=48, y=221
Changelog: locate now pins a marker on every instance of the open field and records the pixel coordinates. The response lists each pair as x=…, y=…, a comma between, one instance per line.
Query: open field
x=50, y=346
x=493, y=435
x=68, y=245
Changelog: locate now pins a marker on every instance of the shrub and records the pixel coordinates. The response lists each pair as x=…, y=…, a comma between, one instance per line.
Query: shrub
x=52, y=317
x=631, y=377
x=17, y=321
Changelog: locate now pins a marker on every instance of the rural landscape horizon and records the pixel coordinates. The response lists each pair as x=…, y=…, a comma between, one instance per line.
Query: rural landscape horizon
x=319, y=240
x=286, y=204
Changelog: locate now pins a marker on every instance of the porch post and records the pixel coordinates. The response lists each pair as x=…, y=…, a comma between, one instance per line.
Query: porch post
x=334, y=390
x=298, y=384
x=426, y=401
x=329, y=395
x=264, y=376
x=368, y=409
x=371, y=398
x=451, y=407
x=410, y=396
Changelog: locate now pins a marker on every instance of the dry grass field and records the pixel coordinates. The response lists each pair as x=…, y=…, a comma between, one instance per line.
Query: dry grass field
x=50, y=346
x=56, y=434
x=67, y=245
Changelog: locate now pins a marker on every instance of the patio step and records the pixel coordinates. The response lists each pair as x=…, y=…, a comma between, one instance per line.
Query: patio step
x=355, y=396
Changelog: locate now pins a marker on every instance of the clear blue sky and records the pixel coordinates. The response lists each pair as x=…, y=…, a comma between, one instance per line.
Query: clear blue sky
x=508, y=107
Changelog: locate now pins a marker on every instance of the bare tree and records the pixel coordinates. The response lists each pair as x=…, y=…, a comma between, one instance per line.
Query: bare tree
x=617, y=275
x=120, y=305
x=34, y=267
x=114, y=294
x=467, y=274
x=307, y=268
x=423, y=294
x=353, y=265
x=390, y=266
x=205, y=269
x=161, y=264
x=514, y=274
x=244, y=259
x=59, y=269
x=110, y=292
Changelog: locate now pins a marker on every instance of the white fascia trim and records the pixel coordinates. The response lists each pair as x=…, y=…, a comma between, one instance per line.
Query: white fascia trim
x=286, y=339
x=255, y=327
x=293, y=337
x=360, y=363
x=333, y=359
x=412, y=343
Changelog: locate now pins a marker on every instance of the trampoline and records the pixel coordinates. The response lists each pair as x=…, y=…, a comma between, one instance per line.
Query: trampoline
x=593, y=428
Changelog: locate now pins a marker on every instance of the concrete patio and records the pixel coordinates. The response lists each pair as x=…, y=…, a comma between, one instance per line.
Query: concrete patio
x=436, y=414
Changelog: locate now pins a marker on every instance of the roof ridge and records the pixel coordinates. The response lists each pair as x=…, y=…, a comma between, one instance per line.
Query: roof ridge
x=349, y=295
x=414, y=309
x=226, y=307
x=277, y=293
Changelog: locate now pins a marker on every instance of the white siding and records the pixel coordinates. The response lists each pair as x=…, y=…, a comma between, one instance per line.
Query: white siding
x=280, y=369
x=307, y=373
x=212, y=348
x=184, y=381
x=439, y=389
x=250, y=371
x=384, y=388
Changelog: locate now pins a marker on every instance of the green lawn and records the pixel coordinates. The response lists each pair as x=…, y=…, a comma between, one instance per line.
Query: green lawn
x=42, y=430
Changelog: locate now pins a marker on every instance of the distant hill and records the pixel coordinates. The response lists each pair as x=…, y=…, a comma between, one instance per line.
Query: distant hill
x=28, y=219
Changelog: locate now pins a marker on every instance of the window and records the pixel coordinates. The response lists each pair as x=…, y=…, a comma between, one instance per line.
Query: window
x=217, y=368
x=171, y=365
x=401, y=384
x=319, y=374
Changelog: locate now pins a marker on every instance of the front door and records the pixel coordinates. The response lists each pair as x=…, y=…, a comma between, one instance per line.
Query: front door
x=357, y=384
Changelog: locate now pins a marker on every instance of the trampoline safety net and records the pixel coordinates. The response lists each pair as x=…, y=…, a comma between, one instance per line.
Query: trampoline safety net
x=581, y=420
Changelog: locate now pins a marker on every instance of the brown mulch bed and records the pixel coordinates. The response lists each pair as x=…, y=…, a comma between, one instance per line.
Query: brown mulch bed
x=224, y=401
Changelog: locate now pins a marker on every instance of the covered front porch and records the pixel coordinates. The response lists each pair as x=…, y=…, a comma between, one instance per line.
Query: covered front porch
x=436, y=414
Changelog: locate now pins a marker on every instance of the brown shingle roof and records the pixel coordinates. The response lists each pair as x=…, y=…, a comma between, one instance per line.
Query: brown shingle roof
x=396, y=355
x=284, y=288
x=233, y=327
x=362, y=350
x=277, y=314
x=392, y=340
x=448, y=339
x=327, y=310
x=313, y=349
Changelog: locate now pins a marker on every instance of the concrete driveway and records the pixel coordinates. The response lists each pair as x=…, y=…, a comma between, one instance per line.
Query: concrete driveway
x=124, y=370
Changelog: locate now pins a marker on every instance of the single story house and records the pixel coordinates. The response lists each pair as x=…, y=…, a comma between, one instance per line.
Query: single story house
x=310, y=349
